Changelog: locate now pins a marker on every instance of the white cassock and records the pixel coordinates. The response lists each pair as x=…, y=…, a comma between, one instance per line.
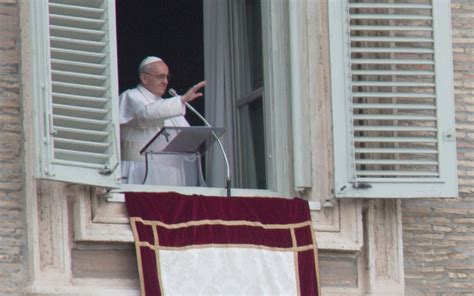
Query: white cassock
x=142, y=115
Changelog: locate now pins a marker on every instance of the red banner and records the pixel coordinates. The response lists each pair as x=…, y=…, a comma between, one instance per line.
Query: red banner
x=201, y=245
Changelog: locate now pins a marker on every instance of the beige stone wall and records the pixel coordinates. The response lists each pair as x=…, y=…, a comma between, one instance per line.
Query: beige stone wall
x=439, y=234
x=12, y=227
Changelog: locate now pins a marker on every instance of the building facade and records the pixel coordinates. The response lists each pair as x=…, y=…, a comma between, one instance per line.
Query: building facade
x=62, y=237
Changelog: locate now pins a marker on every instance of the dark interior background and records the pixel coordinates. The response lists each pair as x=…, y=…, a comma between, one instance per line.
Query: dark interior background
x=171, y=30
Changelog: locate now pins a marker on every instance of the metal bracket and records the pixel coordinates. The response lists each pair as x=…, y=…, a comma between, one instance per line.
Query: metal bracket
x=361, y=185
x=449, y=136
x=106, y=171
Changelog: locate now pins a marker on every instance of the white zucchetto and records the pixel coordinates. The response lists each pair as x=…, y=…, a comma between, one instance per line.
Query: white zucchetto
x=148, y=60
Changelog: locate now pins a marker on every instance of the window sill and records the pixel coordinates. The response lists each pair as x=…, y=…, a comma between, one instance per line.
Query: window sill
x=116, y=195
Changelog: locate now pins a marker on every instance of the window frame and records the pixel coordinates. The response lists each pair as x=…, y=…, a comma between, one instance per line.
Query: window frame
x=277, y=77
x=244, y=92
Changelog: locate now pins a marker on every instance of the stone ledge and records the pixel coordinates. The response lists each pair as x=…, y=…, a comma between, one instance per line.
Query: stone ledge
x=88, y=287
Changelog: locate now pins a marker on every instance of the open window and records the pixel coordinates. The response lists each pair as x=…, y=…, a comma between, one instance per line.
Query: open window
x=79, y=72
x=392, y=92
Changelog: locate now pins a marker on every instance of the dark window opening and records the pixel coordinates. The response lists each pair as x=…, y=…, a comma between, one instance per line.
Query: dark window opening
x=171, y=30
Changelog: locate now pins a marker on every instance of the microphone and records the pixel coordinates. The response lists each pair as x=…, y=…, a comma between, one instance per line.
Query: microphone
x=173, y=93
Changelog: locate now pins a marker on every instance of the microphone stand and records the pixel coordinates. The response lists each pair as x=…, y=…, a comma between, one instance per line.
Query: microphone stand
x=228, y=181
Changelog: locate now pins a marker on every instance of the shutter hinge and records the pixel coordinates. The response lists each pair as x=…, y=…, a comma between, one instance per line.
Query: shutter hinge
x=106, y=171
x=449, y=136
x=52, y=130
x=361, y=185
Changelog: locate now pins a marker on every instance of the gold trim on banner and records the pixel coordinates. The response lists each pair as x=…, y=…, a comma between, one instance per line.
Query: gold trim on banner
x=316, y=259
x=157, y=258
x=221, y=222
x=139, y=256
x=247, y=246
x=295, y=258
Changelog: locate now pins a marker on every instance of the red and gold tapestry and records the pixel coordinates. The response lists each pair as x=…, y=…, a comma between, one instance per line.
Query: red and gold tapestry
x=201, y=245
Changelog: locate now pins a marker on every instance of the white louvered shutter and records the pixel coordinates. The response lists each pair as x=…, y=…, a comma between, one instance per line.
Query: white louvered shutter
x=391, y=73
x=79, y=116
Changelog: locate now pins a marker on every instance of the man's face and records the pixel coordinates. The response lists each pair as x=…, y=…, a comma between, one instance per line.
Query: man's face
x=155, y=78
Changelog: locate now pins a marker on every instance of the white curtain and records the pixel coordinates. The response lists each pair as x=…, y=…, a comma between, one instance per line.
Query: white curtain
x=217, y=71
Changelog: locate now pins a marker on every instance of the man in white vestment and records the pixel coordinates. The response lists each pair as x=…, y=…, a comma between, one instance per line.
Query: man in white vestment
x=143, y=112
